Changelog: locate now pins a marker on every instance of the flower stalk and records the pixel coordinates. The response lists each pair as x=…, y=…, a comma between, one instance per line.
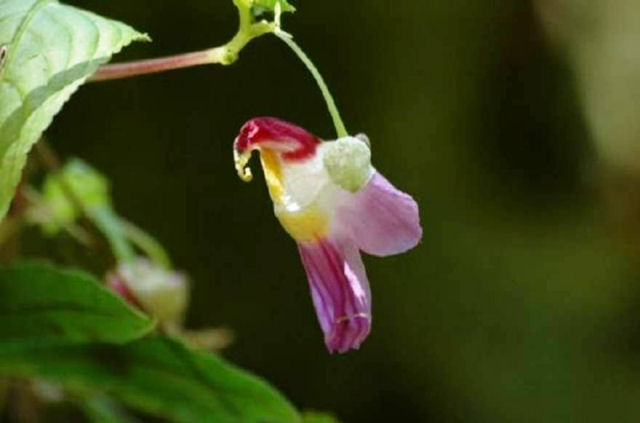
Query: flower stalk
x=227, y=54
x=341, y=130
x=223, y=55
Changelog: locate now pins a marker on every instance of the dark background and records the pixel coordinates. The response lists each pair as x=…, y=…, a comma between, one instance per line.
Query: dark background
x=522, y=302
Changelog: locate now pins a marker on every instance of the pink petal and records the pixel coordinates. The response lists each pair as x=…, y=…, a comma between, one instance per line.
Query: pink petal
x=340, y=292
x=116, y=283
x=381, y=219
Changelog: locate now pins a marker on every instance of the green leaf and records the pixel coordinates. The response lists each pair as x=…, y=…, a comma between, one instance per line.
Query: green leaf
x=101, y=409
x=41, y=304
x=314, y=417
x=159, y=376
x=50, y=51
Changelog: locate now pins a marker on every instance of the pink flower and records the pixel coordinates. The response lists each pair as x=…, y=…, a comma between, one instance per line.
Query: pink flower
x=334, y=204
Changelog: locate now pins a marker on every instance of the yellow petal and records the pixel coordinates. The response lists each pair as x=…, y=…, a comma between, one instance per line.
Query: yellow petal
x=308, y=225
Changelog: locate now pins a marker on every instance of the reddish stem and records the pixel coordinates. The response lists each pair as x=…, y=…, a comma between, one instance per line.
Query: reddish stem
x=143, y=67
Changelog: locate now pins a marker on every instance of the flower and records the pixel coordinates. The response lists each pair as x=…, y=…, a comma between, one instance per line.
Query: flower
x=162, y=293
x=334, y=204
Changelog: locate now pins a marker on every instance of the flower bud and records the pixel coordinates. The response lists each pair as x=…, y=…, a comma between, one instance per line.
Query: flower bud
x=348, y=162
x=162, y=293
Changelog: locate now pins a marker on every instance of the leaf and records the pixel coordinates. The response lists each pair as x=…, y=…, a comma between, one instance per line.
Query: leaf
x=50, y=51
x=42, y=304
x=314, y=417
x=159, y=376
x=101, y=409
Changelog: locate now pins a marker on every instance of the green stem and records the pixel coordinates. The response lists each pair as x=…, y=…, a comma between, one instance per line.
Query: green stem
x=41, y=211
x=146, y=243
x=328, y=98
x=103, y=218
x=109, y=224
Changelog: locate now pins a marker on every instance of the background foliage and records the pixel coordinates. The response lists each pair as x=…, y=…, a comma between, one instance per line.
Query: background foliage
x=521, y=304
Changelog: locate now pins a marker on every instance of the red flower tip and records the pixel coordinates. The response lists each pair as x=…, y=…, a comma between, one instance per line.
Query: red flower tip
x=292, y=141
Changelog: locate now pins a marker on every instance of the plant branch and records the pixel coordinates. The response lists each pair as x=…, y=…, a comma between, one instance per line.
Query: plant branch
x=223, y=55
x=161, y=64
x=49, y=158
x=41, y=211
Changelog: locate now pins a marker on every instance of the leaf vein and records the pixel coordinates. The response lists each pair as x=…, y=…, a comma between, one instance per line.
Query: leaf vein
x=23, y=26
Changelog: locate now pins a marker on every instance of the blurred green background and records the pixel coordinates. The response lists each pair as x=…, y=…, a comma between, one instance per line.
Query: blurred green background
x=514, y=124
